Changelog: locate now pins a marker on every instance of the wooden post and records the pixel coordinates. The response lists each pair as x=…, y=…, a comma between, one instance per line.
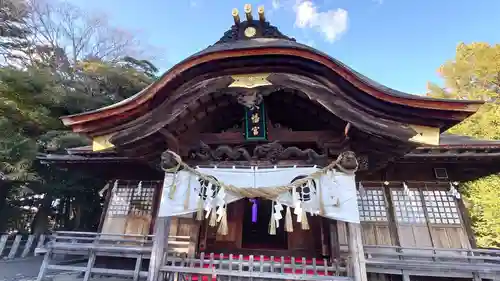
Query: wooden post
x=333, y=240
x=3, y=242
x=325, y=237
x=406, y=276
x=27, y=246
x=45, y=264
x=467, y=223
x=107, y=198
x=160, y=247
x=393, y=227
x=356, y=252
x=137, y=269
x=90, y=265
x=15, y=246
x=40, y=244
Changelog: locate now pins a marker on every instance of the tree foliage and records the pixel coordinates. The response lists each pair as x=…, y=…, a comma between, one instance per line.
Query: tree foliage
x=13, y=30
x=58, y=60
x=474, y=74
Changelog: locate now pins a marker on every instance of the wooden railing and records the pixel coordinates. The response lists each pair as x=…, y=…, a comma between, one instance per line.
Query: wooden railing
x=225, y=267
x=458, y=263
x=20, y=246
x=439, y=262
x=91, y=245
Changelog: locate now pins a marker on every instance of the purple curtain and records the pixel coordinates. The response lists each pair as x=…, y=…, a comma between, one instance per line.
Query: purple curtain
x=254, y=210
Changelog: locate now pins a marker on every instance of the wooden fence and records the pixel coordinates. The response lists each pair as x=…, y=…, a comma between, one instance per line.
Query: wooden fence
x=438, y=262
x=92, y=245
x=221, y=267
x=179, y=264
x=20, y=246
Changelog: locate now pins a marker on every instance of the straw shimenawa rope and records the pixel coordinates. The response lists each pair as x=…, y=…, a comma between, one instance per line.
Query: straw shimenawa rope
x=268, y=192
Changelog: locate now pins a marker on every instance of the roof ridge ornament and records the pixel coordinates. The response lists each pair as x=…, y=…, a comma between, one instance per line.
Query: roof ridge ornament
x=251, y=28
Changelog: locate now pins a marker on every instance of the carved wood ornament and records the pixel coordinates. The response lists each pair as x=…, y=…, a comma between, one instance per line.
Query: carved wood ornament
x=272, y=152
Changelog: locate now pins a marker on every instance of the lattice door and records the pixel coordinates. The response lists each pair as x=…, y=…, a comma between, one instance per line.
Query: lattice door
x=130, y=208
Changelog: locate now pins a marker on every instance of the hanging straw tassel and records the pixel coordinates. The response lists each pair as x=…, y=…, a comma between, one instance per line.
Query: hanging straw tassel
x=304, y=223
x=272, y=225
x=173, y=187
x=288, y=220
x=223, y=230
x=320, y=199
x=199, y=212
x=188, y=194
x=213, y=218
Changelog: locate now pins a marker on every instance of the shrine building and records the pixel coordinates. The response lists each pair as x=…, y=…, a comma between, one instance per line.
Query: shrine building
x=263, y=158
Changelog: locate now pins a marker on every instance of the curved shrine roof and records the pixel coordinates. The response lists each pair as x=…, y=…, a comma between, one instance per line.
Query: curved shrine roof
x=268, y=42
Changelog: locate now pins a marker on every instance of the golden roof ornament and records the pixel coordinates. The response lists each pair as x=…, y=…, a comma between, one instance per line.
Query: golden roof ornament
x=236, y=16
x=262, y=17
x=252, y=27
x=248, y=12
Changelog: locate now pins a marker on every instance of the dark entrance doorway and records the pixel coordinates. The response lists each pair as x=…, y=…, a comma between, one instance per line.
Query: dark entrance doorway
x=256, y=233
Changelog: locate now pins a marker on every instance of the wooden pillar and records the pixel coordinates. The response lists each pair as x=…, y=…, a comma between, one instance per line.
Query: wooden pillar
x=356, y=252
x=391, y=214
x=467, y=222
x=104, y=212
x=160, y=247
x=334, y=241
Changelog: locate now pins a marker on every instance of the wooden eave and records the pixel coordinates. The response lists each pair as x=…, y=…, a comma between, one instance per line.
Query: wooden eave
x=475, y=148
x=253, y=52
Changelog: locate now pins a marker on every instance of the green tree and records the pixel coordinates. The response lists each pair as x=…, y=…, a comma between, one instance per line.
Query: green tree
x=13, y=29
x=474, y=73
x=66, y=62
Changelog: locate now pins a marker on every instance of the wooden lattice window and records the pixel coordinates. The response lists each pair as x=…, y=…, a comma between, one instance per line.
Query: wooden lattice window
x=130, y=198
x=408, y=206
x=372, y=205
x=441, y=207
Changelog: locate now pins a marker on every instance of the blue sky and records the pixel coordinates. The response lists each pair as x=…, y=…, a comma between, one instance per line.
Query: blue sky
x=399, y=43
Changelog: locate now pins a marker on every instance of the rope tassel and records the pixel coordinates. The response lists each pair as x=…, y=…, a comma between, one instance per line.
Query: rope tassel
x=199, y=212
x=223, y=229
x=188, y=194
x=304, y=223
x=173, y=188
x=272, y=226
x=288, y=220
x=213, y=218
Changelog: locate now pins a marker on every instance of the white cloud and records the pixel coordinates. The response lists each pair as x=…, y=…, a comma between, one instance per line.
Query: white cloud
x=331, y=24
x=193, y=3
x=276, y=4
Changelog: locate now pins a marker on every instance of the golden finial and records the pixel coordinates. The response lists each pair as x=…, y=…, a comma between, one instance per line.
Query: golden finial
x=236, y=16
x=261, y=14
x=248, y=12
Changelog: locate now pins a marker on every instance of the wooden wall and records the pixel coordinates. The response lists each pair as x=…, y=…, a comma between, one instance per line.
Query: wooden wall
x=424, y=216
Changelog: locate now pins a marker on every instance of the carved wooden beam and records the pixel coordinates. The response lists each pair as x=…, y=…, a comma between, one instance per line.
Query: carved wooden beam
x=161, y=116
x=172, y=141
x=342, y=108
x=282, y=136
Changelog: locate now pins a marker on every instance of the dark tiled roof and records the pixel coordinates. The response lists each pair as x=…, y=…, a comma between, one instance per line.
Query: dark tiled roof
x=450, y=140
